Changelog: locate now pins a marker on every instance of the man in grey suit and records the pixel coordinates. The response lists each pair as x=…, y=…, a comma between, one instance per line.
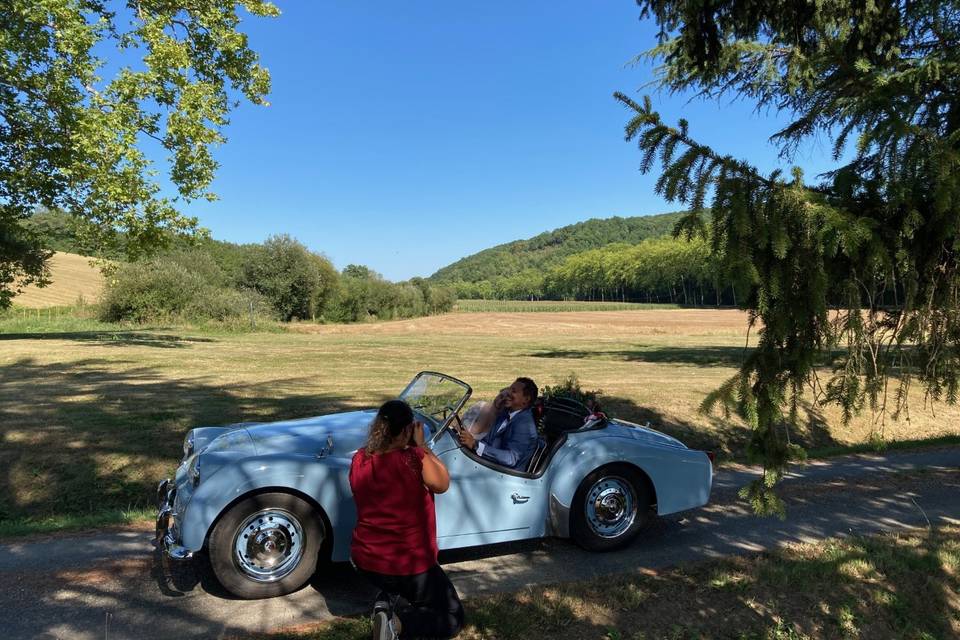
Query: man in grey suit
x=512, y=438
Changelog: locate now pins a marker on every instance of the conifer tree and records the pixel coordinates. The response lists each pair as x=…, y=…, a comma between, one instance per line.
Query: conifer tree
x=863, y=258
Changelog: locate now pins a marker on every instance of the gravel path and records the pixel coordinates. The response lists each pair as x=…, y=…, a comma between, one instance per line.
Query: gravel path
x=115, y=585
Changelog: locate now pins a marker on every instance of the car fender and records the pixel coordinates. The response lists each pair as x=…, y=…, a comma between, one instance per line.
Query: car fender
x=681, y=477
x=325, y=482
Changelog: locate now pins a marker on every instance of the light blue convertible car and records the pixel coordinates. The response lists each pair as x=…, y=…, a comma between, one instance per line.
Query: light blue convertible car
x=269, y=501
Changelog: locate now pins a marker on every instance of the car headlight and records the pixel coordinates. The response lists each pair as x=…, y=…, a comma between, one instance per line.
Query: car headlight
x=188, y=443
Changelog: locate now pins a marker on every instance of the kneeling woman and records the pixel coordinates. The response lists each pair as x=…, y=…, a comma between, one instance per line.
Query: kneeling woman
x=394, y=477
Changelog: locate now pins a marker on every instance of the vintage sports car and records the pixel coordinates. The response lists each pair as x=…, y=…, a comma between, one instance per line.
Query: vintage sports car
x=268, y=501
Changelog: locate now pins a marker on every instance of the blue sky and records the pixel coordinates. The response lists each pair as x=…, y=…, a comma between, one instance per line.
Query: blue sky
x=407, y=135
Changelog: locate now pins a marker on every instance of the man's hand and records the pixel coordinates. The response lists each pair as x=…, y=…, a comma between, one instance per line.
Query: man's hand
x=467, y=439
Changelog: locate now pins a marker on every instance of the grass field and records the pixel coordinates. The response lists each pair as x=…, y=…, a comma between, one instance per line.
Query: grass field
x=92, y=415
x=73, y=279
x=894, y=587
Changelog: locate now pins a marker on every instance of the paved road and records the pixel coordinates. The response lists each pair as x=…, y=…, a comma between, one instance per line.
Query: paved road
x=114, y=585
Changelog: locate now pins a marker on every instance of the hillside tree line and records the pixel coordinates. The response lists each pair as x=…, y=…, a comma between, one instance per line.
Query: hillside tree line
x=656, y=270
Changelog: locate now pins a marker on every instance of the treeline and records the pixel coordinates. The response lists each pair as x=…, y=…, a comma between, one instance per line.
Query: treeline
x=547, y=250
x=664, y=270
x=205, y=279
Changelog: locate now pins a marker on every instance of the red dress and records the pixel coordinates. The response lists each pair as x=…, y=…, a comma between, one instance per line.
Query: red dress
x=396, y=532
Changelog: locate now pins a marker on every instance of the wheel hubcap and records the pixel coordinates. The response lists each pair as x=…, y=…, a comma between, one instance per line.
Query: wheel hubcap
x=268, y=545
x=611, y=507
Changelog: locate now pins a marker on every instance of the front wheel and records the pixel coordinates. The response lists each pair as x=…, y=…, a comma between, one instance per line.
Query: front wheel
x=610, y=507
x=266, y=545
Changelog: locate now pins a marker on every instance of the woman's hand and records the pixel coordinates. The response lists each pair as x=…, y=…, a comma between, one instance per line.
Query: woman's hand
x=418, y=434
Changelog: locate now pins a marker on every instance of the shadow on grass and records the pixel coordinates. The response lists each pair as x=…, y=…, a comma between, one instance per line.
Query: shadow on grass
x=112, y=338
x=875, y=587
x=95, y=435
x=708, y=356
x=704, y=356
x=716, y=433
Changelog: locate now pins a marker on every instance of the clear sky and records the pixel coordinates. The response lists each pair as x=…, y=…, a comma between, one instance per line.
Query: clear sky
x=406, y=135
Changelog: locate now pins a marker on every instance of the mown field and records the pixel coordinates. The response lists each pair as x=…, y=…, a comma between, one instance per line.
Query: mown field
x=74, y=279
x=540, y=306
x=91, y=415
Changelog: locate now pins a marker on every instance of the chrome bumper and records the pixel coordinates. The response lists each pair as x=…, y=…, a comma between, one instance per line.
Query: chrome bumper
x=167, y=537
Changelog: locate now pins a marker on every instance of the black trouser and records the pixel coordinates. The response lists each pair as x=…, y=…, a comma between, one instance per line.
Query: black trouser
x=433, y=610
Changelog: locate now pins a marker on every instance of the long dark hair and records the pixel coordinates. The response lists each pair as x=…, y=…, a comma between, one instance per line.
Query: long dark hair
x=393, y=417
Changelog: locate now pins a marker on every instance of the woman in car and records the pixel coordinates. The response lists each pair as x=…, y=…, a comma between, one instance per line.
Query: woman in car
x=479, y=418
x=394, y=478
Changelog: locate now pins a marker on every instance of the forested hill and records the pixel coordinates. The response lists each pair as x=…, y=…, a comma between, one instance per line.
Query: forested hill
x=550, y=248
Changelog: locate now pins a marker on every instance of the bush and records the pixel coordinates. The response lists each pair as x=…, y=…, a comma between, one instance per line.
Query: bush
x=228, y=304
x=441, y=300
x=570, y=388
x=364, y=295
x=296, y=282
x=166, y=287
x=359, y=299
x=149, y=291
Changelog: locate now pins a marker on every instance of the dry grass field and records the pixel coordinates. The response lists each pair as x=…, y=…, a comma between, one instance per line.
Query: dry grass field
x=90, y=419
x=73, y=279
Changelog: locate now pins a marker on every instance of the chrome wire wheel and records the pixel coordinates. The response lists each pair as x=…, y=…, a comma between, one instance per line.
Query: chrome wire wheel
x=611, y=506
x=268, y=545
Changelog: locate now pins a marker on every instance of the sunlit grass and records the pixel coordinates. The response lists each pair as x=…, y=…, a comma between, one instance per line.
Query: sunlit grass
x=884, y=587
x=26, y=527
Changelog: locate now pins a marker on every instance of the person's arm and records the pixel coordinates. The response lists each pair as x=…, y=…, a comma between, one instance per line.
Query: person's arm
x=436, y=478
x=435, y=475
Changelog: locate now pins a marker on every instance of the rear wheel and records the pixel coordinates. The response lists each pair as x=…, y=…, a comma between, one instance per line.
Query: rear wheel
x=266, y=545
x=610, y=507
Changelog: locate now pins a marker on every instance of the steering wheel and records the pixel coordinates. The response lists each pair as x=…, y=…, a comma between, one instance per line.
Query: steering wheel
x=456, y=416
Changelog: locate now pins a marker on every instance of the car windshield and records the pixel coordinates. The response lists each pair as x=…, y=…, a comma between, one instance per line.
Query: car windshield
x=436, y=397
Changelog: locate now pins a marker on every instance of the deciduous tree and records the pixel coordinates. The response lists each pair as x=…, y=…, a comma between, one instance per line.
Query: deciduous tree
x=84, y=86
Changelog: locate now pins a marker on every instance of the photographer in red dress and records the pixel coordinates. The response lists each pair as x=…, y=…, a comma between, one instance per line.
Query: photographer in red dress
x=394, y=478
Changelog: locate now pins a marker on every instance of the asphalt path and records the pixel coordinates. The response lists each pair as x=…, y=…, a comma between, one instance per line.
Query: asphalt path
x=116, y=585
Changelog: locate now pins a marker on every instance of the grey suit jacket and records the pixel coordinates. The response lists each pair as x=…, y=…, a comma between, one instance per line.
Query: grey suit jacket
x=513, y=445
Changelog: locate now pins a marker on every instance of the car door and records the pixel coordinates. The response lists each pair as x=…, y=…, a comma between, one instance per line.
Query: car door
x=483, y=504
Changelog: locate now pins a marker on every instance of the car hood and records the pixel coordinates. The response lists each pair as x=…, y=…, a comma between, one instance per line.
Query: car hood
x=347, y=432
